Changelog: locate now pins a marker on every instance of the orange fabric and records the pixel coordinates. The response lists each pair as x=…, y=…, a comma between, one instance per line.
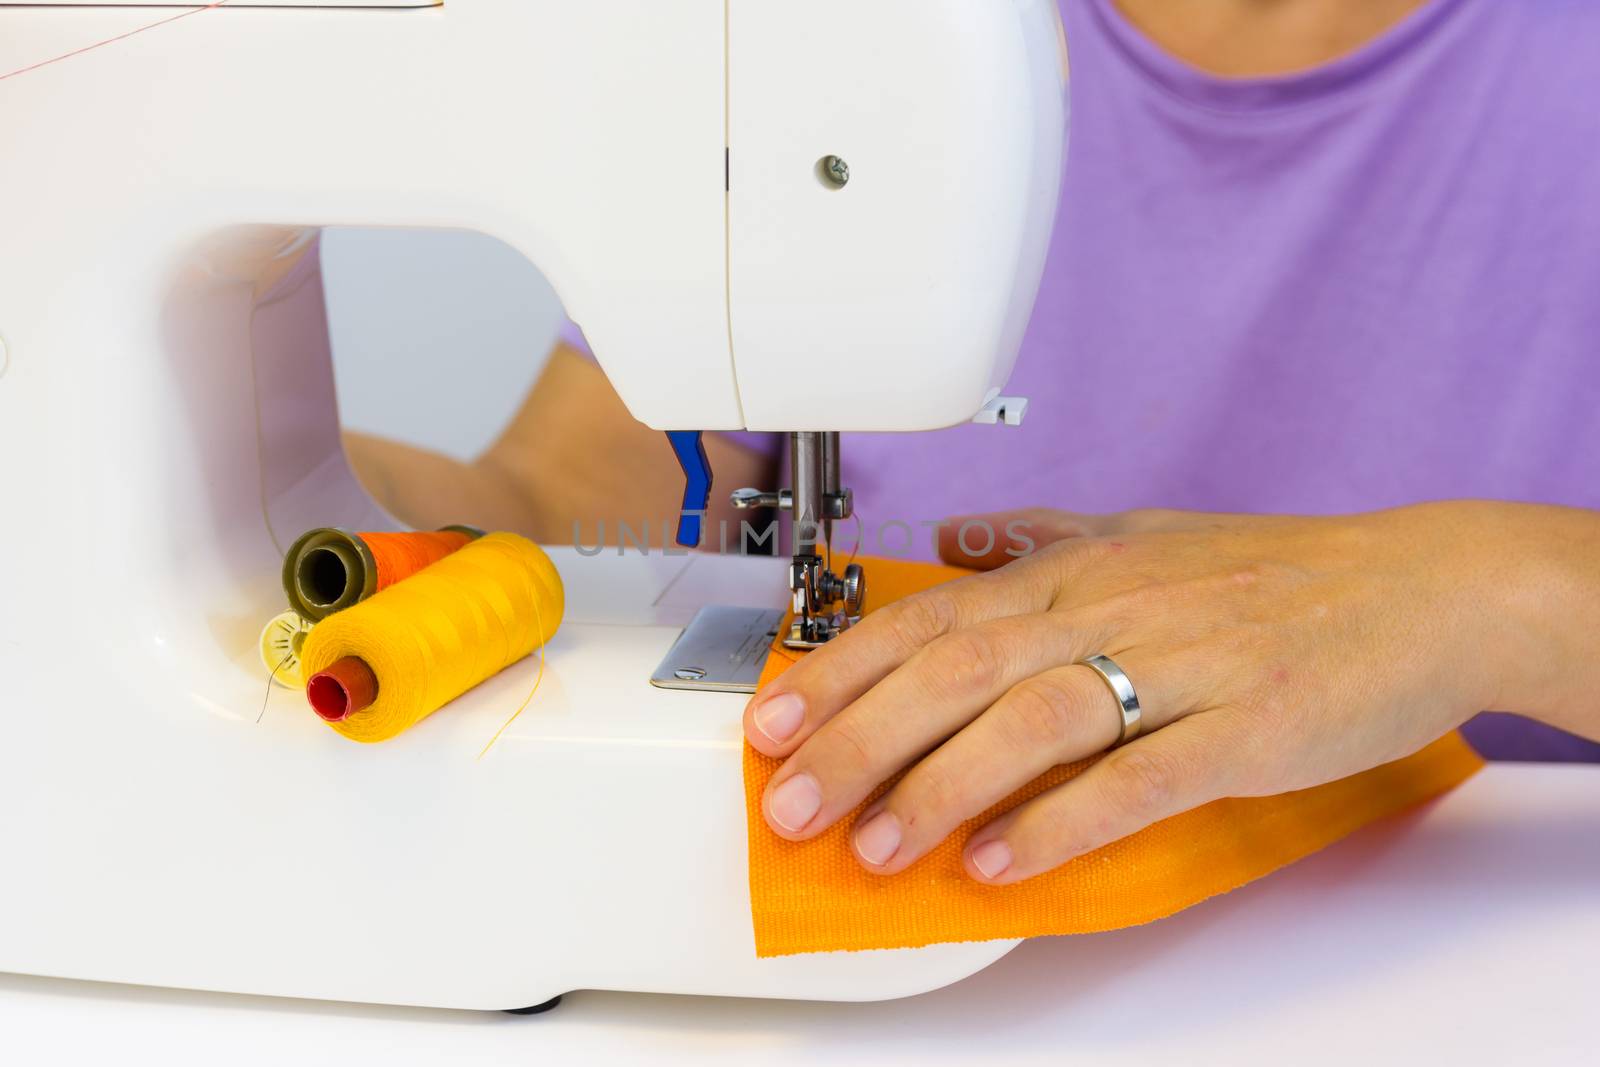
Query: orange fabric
x=813, y=896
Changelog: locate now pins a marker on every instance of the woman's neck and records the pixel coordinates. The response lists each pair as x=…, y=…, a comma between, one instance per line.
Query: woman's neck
x=1256, y=38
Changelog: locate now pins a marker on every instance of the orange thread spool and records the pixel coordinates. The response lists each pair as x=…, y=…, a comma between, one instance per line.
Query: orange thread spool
x=400, y=555
x=327, y=570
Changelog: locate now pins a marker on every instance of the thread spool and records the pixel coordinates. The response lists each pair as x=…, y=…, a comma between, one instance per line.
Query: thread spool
x=420, y=643
x=281, y=642
x=329, y=570
x=344, y=689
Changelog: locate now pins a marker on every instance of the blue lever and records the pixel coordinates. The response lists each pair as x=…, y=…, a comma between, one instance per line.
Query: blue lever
x=691, y=453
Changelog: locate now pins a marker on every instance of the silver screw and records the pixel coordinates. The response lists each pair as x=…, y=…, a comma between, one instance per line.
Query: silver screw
x=689, y=674
x=835, y=171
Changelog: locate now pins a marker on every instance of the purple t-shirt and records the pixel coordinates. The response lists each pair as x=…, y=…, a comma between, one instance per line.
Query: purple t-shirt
x=1373, y=283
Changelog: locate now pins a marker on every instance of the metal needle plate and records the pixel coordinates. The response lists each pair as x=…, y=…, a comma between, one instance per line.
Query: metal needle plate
x=722, y=650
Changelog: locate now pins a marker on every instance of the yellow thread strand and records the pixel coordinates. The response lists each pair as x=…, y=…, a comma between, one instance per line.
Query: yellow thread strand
x=537, y=678
x=444, y=630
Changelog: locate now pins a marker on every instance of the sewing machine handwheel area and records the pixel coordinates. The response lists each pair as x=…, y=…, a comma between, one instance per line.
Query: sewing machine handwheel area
x=537, y=1009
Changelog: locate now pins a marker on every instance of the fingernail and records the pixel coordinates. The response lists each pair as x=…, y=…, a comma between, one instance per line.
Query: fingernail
x=992, y=858
x=779, y=717
x=878, y=839
x=795, y=803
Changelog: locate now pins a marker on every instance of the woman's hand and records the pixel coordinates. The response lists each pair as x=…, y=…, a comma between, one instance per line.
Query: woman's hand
x=1269, y=654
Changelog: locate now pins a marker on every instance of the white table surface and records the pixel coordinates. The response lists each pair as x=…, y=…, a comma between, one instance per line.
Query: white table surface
x=1468, y=932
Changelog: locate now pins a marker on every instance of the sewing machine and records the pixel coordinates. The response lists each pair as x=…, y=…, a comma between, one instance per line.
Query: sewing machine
x=821, y=218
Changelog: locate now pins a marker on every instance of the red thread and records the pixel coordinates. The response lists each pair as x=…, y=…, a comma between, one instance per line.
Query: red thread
x=113, y=40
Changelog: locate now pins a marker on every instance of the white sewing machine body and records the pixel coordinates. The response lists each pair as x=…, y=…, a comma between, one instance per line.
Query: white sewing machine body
x=168, y=425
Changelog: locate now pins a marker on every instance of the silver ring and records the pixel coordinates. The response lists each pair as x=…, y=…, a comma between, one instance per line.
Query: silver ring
x=1122, y=689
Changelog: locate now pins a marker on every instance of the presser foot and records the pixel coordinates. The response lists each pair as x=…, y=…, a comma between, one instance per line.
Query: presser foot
x=825, y=604
x=817, y=631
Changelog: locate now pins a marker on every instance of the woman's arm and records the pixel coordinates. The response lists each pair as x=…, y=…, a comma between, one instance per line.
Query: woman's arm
x=1262, y=38
x=1269, y=653
x=571, y=459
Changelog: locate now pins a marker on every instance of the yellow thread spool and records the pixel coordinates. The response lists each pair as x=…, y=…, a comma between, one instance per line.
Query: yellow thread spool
x=447, y=628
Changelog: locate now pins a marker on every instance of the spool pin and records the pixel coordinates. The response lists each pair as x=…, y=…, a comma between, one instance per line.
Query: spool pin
x=328, y=569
